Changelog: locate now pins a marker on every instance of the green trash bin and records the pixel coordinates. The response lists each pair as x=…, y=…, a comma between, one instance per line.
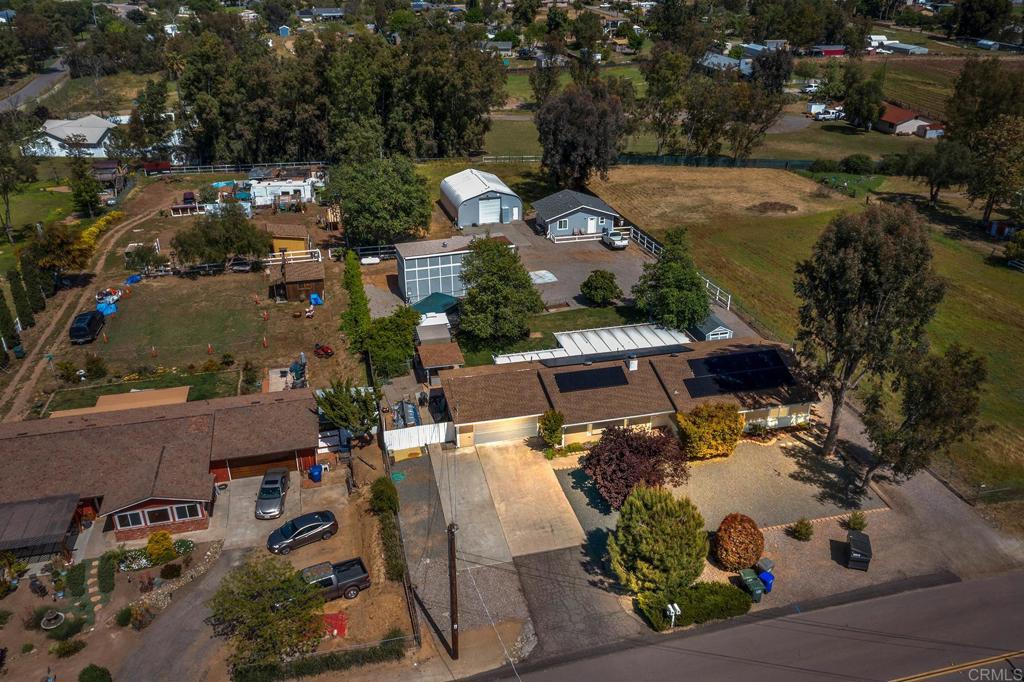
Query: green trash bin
x=753, y=584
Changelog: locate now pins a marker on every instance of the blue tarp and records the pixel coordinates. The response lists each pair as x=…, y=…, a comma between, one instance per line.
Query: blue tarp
x=315, y=299
x=223, y=183
x=134, y=279
x=107, y=309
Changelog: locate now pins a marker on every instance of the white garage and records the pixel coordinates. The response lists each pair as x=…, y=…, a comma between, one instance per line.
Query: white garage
x=473, y=197
x=504, y=430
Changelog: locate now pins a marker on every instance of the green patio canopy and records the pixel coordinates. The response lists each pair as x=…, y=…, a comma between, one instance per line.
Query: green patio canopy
x=435, y=303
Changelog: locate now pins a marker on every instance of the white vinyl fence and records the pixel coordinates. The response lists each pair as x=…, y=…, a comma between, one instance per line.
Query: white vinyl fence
x=418, y=436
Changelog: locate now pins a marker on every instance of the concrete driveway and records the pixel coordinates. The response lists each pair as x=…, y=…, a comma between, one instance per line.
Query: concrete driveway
x=569, y=262
x=528, y=499
x=243, y=528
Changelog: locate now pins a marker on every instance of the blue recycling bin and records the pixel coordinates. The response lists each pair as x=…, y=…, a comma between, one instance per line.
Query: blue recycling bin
x=768, y=579
x=316, y=473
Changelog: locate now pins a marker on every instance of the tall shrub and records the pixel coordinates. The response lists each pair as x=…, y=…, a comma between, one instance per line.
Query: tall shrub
x=160, y=547
x=33, y=280
x=355, y=321
x=7, y=328
x=21, y=304
x=550, y=426
x=626, y=457
x=738, y=542
x=710, y=430
x=659, y=542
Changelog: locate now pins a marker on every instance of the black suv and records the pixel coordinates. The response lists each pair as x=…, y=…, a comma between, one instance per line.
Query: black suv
x=86, y=326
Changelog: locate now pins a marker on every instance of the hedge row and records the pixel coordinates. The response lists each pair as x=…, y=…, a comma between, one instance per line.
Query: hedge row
x=355, y=320
x=383, y=496
x=75, y=580
x=392, y=649
x=105, y=577
x=699, y=603
x=394, y=558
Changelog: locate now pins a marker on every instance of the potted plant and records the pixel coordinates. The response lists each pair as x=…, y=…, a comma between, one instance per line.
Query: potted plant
x=12, y=567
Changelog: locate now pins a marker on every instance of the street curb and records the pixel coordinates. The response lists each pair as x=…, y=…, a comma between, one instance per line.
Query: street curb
x=887, y=589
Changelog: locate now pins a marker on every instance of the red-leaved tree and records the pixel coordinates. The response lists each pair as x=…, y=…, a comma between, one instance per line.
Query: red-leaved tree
x=625, y=457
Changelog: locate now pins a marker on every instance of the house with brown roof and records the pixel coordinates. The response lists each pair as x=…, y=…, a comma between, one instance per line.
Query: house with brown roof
x=899, y=121
x=152, y=468
x=504, y=402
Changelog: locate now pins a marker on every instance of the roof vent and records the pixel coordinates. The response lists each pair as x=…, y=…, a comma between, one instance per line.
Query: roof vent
x=588, y=363
x=444, y=244
x=632, y=363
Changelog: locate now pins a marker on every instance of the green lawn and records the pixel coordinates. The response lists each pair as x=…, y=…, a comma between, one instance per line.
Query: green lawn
x=983, y=309
x=524, y=178
x=847, y=183
x=35, y=204
x=203, y=387
x=518, y=84
x=544, y=326
x=817, y=141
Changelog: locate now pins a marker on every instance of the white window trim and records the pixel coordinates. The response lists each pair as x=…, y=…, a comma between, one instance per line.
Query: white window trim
x=563, y=224
x=601, y=221
x=140, y=524
x=198, y=507
x=170, y=514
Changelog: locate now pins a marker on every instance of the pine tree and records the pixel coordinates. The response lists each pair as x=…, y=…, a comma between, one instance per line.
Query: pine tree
x=659, y=543
x=32, y=277
x=7, y=330
x=21, y=304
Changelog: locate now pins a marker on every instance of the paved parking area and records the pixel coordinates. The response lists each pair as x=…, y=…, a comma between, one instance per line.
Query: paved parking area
x=466, y=500
x=530, y=504
x=773, y=484
x=243, y=528
x=569, y=262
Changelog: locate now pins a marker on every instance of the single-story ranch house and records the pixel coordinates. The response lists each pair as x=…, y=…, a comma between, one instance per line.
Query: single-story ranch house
x=899, y=121
x=91, y=132
x=570, y=214
x=473, y=197
x=153, y=468
x=496, y=403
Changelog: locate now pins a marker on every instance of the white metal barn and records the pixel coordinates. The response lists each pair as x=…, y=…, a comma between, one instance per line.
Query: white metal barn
x=473, y=197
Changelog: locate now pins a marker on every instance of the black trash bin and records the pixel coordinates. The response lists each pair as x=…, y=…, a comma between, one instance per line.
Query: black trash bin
x=858, y=552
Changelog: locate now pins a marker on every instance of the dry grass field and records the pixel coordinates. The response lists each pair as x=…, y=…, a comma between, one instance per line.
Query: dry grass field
x=752, y=255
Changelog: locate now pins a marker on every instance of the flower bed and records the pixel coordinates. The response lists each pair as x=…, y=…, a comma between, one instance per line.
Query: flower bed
x=137, y=559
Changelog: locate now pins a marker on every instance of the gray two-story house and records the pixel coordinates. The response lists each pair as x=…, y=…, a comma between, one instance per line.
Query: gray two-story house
x=570, y=216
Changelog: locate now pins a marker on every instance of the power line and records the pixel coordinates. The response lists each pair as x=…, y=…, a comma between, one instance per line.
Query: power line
x=494, y=627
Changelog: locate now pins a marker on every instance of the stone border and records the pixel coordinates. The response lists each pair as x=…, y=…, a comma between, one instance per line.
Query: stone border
x=160, y=598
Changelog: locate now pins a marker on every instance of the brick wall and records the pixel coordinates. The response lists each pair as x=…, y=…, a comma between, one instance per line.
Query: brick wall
x=178, y=527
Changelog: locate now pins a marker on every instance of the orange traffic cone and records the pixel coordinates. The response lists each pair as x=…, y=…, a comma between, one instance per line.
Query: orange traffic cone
x=209, y=349
x=264, y=342
x=105, y=339
x=266, y=315
x=152, y=351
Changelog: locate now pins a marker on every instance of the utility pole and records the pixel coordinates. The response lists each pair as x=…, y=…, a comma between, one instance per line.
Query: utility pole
x=453, y=589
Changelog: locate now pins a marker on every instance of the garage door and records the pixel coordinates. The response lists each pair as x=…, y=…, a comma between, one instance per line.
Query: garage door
x=519, y=429
x=490, y=211
x=257, y=466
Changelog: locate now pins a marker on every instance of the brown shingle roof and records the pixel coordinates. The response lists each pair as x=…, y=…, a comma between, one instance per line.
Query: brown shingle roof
x=434, y=355
x=478, y=394
x=286, y=230
x=660, y=384
x=642, y=394
x=132, y=455
x=300, y=272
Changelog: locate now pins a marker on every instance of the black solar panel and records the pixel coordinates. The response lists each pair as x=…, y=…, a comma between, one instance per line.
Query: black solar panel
x=755, y=371
x=585, y=379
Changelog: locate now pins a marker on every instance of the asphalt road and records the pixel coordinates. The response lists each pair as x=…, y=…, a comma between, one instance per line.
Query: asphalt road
x=38, y=85
x=909, y=636
x=179, y=645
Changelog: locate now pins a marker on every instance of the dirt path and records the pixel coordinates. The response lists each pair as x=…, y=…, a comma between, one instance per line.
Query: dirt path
x=19, y=391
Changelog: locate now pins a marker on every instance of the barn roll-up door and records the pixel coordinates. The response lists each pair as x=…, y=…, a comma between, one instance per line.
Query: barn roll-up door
x=490, y=211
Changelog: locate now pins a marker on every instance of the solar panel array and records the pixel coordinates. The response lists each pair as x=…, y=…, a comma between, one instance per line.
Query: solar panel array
x=743, y=372
x=586, y=379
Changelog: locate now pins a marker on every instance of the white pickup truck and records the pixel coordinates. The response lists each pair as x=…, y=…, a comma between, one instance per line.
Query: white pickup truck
x=614, y=239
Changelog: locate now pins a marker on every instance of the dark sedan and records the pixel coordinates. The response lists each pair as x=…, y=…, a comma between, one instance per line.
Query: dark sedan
x=302, y=530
